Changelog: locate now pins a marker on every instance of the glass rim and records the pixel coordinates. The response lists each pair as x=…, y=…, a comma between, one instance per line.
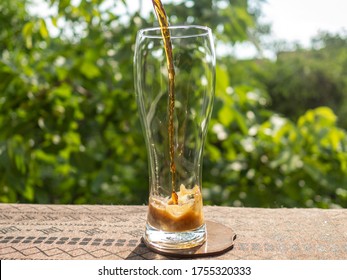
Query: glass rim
x=149, y=32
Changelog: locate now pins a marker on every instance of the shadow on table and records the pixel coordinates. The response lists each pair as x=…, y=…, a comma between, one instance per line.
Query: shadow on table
x=142, y=252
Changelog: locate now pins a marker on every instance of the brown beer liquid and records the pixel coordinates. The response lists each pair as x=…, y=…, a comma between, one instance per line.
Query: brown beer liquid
x=165, y=32
x=183, y=211
x=163, y=214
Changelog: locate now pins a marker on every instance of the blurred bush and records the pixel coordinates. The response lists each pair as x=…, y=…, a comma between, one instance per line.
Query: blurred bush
x=257, y=157
x=70, y=130
x=303, y=79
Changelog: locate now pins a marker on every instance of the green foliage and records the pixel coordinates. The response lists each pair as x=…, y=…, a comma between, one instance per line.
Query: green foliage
x=70, y=127
x=261, y=158
x=267, y=160
x=67, y=110
x=307, y=78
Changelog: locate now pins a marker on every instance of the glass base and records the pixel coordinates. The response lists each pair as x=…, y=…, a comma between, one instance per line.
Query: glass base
x=174, y=240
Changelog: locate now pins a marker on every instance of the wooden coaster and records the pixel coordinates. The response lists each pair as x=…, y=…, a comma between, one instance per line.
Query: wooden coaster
x=220, y=239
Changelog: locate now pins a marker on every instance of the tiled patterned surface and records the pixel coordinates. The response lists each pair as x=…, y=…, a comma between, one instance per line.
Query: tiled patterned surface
x=114, y=232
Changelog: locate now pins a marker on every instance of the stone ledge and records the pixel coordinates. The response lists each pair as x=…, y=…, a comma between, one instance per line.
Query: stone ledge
x=31, y=231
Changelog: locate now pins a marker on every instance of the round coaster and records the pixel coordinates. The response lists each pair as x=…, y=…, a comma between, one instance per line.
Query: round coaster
x=220, y=239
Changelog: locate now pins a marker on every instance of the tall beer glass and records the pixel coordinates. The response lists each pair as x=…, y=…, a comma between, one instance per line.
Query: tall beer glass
x=175, y=224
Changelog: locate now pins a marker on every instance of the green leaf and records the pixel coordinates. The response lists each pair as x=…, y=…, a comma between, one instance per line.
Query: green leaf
x=29, y=193
x=27, y=32
x=54, y=21
x=222, y=81
x=226, y=116
x=28, y=29
x=89, y=70
x=241, y=121
x=64, y=91
x=43, y=29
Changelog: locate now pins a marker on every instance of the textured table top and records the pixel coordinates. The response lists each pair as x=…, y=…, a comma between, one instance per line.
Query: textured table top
x=29, y=231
